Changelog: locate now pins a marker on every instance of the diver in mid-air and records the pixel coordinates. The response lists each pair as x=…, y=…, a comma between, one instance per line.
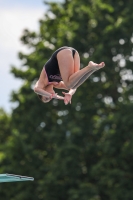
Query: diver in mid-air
x=63, y=71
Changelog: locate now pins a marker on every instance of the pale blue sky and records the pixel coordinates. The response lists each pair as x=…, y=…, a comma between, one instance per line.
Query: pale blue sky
x=25, y=3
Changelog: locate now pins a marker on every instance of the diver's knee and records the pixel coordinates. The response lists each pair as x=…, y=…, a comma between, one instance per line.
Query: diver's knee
x=68, y=85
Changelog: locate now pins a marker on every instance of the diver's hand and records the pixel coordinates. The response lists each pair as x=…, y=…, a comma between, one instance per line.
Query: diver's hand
x=67, y=98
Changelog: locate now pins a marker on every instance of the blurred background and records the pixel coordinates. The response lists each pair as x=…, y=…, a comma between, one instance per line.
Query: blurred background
x=79, y=151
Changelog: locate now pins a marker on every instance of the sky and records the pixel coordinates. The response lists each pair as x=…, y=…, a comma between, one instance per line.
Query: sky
x=15, y=16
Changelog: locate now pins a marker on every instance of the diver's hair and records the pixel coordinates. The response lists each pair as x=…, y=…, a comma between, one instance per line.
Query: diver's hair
x=40, y=97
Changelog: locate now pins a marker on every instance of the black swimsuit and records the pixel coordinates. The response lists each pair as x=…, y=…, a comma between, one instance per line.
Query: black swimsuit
x=52, y=68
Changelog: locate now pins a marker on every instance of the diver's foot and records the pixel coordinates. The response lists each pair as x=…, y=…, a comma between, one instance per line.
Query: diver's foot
x=95, y=65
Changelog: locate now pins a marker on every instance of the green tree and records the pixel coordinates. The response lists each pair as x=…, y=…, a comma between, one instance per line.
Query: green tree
x=80, y=151
x=5, y=133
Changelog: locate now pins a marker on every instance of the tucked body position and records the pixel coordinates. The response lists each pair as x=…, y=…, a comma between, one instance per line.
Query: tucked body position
x=62, y=71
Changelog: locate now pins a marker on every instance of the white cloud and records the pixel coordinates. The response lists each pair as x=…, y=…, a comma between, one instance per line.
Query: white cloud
x=13, y=21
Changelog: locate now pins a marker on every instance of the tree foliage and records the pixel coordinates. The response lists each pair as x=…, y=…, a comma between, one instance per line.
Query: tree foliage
x=84, y=150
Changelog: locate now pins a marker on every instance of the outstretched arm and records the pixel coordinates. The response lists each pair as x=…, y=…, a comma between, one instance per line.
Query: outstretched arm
x=42, y=92
x=47, y=94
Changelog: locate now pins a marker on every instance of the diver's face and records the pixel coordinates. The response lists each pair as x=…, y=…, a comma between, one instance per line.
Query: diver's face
x=45, y=99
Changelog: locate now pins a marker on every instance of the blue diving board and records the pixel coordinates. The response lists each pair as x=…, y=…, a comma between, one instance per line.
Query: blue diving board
x=14, y=178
